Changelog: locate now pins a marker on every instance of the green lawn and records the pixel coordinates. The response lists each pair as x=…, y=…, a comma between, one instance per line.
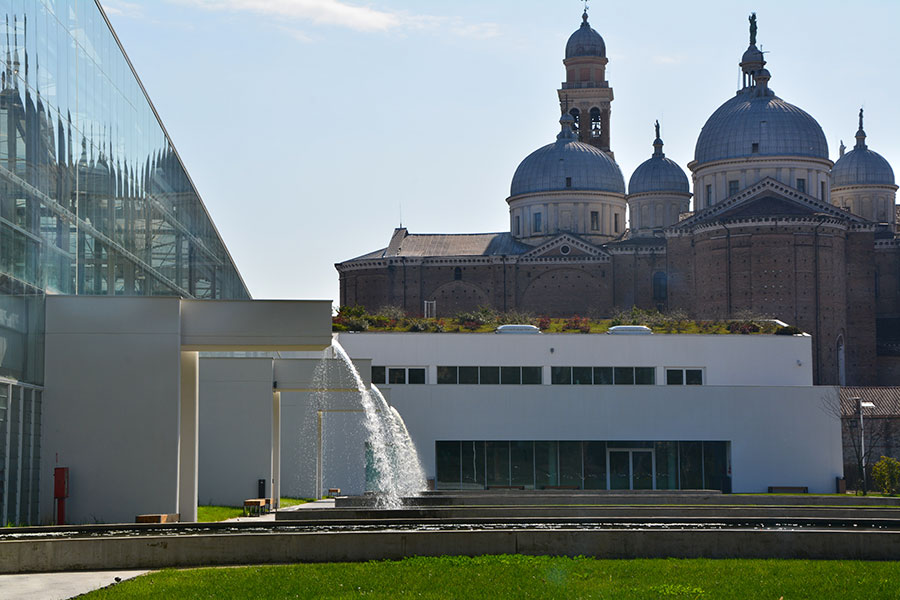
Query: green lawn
x=498, y=577
x=208, y=514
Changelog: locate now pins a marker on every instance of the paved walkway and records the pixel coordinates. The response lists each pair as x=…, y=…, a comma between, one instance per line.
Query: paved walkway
x=58, y=586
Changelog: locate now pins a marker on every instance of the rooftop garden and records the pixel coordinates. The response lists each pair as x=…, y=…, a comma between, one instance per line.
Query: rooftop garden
x=486, y=320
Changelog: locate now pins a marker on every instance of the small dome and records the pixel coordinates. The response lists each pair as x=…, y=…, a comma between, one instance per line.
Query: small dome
x=753, y=55
x=585, y=41
x=759, y=124
x=582, y=166
x=658, y=174
x=861, y=166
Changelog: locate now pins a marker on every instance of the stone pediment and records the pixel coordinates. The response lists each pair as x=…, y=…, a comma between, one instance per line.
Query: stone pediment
x=765, y=199
x=566, y=245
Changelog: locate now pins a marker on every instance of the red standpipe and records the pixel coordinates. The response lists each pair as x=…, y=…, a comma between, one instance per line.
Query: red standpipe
x=60, y=492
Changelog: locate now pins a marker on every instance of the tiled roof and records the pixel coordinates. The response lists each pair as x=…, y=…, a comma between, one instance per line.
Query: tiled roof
x=454, y=244
x=886, y=400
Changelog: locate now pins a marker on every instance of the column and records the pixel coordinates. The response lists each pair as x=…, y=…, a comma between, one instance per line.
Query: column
x=188, y=437
x=276, y=449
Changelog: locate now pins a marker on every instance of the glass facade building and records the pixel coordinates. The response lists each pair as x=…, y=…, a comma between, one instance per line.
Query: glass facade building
x=93, y=200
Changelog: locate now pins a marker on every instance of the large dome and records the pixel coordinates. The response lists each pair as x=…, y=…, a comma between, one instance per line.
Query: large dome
x=585, y=41
x=755, y=124
x=567, y=165
x=658, y=174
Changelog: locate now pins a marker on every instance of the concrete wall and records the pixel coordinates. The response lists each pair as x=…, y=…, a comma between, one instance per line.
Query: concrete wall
x=235, y=429
x=727, y=359
x=111, y=406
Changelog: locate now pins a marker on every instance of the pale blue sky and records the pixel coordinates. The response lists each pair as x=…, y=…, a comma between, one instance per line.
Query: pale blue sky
x=308, y=125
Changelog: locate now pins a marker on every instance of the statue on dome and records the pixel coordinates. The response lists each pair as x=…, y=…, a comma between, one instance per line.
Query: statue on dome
x=657, y=129
x=860, y=118
x=752, y=29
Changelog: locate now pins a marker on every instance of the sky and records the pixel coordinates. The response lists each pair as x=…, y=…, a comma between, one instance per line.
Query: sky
x=313, y=128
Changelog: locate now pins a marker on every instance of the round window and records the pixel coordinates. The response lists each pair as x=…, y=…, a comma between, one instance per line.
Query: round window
x=565, y=249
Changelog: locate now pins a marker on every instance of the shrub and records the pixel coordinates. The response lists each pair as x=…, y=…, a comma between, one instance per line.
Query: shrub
x=349, y=312
x=886, y=474
x=356, y=324
x=391, y=313
x=543, y=323
x=788, y=330
x=417, y=325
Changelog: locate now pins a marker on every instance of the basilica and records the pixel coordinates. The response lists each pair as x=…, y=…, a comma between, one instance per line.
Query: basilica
x=776, y=229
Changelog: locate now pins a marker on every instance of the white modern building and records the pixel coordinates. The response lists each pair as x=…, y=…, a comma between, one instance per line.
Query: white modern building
x=731, y=412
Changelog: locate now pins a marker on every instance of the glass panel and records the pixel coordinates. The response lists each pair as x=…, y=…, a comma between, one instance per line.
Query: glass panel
x=691, y=465
x=603, y=375
x=511, y=375
x=674, y=377
x=645, y=375
x=446, y=374
x=397, y=376
x=618, y=470
x=560, y=375
x=417, y=375
x=532, y=375
x=570, y=468
x=521, y=458
x=715, y=467
x=497, y=464
x=693, y=376
x=582, y=375
x=667, y=465
x=473, y=472
x=4, y=414
x=378, y=375
x=15, y=409
x=546, y=465
x=489, y=375
x=595, y=465
x=468, y=375
x=641, y=470
x=447, y=462
x=624, y=375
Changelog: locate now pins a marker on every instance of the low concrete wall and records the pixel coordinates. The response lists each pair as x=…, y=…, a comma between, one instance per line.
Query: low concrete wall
x=149, y=552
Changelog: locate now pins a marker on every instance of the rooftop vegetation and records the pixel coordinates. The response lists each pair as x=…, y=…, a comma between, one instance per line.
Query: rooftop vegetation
x=486, y=320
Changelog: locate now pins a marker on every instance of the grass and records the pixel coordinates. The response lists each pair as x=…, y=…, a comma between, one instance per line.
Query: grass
x=499, y=577
x=209, y=514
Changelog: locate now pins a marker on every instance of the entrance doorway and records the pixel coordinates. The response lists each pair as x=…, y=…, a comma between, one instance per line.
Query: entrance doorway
x=630, y=468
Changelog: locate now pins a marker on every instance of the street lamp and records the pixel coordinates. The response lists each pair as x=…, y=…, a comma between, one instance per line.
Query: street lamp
x=860, y=405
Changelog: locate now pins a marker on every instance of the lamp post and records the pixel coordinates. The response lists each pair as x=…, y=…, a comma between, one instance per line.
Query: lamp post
x=860, y=405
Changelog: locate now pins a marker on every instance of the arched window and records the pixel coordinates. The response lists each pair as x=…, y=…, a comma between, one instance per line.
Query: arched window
x=595, y=122
x=457, y=273
x=575, y=115
x=660, y=287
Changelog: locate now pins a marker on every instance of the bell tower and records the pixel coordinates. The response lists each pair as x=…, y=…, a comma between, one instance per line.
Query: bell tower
x=585, y=94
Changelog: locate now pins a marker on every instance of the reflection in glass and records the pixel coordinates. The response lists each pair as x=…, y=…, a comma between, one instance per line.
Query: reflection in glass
x=641, y=470
x=570, y=467
x=691, y=465
x=447, y=461
x=521, y=457
x=497, y=464
x=546, y=465
x=473, y=465
x=595, y=465
x=619, y=470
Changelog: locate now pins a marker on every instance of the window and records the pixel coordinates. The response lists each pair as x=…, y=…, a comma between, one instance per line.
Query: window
x=708, y=195
x=616, y=223
x=575, y=115
x=489, y=375
x=415, y=376
x=603, y=376
x=733, y=187
x=822, y=191
x=754, y=148
x=582, y=375
x=537, y=223
x=518, y=225
x=623, y=375
x=684, y=376
x=801, y=185
x=457, y=274
x=568, y=182
x=560, y=375
x=595, y=122
x=396, y=376
x=595, y=220
x=400, y=375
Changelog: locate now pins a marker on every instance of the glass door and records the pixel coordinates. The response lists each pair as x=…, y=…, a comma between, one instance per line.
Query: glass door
x=630, y=469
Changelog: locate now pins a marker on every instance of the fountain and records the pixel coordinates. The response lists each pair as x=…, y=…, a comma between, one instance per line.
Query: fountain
x=397, y=470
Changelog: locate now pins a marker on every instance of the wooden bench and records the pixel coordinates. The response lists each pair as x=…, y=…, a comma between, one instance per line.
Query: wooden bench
x=788, y=489
x=255, y=507
x=157, y=518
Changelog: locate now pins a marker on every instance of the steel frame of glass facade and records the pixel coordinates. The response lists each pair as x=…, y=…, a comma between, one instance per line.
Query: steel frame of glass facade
x=93, y=196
